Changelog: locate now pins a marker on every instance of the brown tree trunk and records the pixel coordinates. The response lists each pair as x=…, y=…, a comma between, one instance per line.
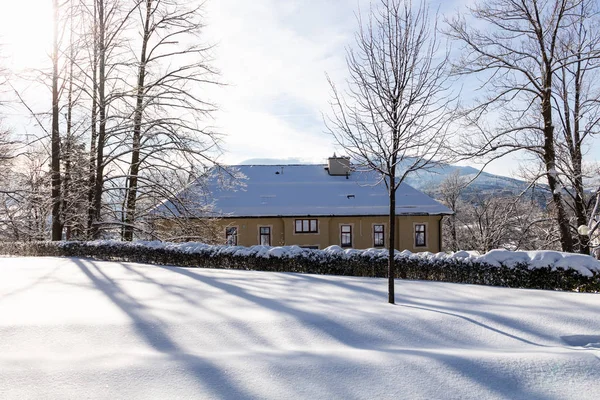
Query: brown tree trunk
x=99, y=181
x=67, y=190
x=137, y=133
x=576, y=159
x=94, y=128
x=566, y=240
x=392, y=242
x=55, y=151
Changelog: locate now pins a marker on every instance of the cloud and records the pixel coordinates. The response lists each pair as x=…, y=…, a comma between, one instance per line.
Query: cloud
x=274, y=56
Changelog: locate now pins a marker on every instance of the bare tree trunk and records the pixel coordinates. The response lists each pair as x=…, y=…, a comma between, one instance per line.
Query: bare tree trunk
x=67, y=158
x=67, y=154
x=55, y=151
x=573, y=142
x=137, y=131
x=566, y=239
x=392, y=244
x=99, y=180
x=94, y=127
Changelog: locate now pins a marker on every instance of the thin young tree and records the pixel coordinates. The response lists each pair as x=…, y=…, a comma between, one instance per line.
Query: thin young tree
x=449, y=193
x=101, y=45
x=397, y=110
x=55, y=135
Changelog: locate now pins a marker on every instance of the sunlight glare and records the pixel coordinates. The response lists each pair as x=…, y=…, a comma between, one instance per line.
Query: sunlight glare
x=25, y=33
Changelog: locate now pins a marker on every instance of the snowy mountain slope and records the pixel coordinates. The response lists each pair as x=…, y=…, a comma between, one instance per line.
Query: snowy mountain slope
x=485, y=182
x=429, y=180
x=77, y=328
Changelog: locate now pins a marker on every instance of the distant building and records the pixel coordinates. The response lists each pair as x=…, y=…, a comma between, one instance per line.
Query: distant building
x=316, y=206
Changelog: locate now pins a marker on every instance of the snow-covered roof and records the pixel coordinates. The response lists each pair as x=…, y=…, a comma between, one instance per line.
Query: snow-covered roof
x=306, y=190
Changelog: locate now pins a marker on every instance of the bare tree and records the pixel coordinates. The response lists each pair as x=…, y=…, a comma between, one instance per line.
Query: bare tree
x=189, y=214
x=577, y=100
x=449, y=193
x=591, y=230
x=484, y=223
x=107, y=23
x=396, y=113
x=4, y=134
x=27, y=148
x=6, y=143
x=55, y=137
x=102, y=39
x=24, y=203
x=167, y=108
x=5, y=146
x=519, y=55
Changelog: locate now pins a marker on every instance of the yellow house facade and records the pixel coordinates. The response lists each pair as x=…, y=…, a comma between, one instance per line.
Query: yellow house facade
x=317, y=206
x=415, y=232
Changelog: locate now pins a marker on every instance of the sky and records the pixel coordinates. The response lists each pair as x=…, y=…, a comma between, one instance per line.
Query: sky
x=273, y=57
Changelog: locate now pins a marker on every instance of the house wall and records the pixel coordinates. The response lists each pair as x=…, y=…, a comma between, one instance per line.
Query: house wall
x=329, y=231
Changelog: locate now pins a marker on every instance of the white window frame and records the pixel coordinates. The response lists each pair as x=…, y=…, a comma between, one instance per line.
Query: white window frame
x=351, y=235
x=237, y=231
x=260, y=234
x=373, y=230
x=306, y=223
x=425, y=235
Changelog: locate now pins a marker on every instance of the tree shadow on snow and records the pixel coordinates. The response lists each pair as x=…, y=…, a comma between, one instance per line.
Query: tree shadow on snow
x=504, y=323
x=341, y=333
x=151, y=330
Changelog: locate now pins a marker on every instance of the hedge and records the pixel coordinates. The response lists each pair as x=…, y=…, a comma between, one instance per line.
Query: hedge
x=295, y=259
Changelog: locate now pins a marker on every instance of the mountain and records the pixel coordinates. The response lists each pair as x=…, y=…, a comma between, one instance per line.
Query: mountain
x=429, y=181
x=485, y=183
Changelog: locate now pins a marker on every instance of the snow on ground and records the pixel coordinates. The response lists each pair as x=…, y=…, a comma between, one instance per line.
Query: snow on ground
x=77, y=328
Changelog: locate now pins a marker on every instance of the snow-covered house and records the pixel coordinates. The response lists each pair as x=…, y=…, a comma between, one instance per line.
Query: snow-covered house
x=317, y=206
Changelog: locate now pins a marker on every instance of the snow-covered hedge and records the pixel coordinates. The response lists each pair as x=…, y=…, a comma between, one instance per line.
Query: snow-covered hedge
x=533, y=269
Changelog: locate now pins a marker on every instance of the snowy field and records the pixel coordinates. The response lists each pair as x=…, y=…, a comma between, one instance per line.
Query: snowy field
x=77, y=328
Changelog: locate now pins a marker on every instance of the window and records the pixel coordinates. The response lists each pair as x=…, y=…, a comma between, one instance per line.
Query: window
x=346, y=231
x=420, y=235
x=378, y=236
x=231, y=236
x=265, y=235
x=306, y=226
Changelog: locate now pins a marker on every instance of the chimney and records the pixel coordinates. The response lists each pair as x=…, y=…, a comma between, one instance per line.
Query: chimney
x=338, y=166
